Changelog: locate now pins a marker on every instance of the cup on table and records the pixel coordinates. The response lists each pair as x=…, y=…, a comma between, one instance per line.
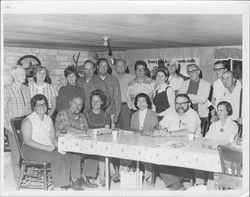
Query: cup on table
x=114, y=133
x=190, y=136
x=231, y=139
x=95, y=133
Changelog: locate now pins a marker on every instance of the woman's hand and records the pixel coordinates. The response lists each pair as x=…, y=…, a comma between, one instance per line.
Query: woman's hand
x=50, y=148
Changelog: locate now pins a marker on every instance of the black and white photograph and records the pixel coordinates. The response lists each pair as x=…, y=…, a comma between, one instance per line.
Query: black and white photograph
x=124, y=98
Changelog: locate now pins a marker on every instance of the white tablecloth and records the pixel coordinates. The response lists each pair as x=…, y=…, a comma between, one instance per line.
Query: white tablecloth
x=174, y=151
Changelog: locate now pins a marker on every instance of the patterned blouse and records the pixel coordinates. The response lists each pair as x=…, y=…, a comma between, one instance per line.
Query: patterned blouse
x=135, y=87
x=41, y=128
x=46, y=89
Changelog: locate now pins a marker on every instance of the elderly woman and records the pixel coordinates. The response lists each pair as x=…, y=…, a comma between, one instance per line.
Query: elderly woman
x=40, y=142
x=141, y=84
x=96, y=118
x=223, y=128
x=174, y=79
x=70, y=91
x=42, y=87
x=164, y=95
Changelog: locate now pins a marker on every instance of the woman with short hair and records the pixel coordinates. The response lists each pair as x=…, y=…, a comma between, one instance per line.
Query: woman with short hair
x=96, y=118
x=40, y=142
x=70, y=91
x=42, y=87
x=225, y=126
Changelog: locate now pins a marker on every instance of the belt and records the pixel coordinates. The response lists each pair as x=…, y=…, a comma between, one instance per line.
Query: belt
x=124, y=103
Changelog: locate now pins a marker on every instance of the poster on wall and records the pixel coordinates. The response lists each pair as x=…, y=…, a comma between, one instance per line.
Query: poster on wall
x=185, y=61
x=152, y=63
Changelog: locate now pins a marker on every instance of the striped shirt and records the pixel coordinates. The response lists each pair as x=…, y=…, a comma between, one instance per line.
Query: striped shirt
x=17, y=103
x=46, y=89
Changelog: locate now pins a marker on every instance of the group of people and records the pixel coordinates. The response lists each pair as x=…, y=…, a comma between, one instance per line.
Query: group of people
x=170, y=105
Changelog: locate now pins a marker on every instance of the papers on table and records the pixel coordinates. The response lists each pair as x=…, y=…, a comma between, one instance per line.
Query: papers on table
x=172, y=144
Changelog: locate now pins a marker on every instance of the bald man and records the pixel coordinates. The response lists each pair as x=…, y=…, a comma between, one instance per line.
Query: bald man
x=232, y=94
x=70, y=120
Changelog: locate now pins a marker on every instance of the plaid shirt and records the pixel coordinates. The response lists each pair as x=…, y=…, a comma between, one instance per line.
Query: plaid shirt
x=93, y=84
x=115, y=94
x=66, y=118
x=17, y=103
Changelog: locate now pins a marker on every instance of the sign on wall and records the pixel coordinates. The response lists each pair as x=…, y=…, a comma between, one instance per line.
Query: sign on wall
x=183, y=61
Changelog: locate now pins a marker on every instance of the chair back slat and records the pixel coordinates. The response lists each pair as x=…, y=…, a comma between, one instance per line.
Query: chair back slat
x=16, y=124
x=231, y=160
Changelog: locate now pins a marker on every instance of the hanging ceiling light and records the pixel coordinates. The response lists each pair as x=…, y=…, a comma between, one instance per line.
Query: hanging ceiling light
x=106, y=41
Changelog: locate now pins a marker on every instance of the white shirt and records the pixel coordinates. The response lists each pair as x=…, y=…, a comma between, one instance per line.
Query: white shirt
x=142, y=115
x=124, y=80
x=234, y=99
x=175, y=82
x=219, y=90
x=219, y=132
x=41, y=128
x=189, y=120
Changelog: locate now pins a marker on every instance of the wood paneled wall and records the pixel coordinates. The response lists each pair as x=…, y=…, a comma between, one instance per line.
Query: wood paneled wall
x=205, y=54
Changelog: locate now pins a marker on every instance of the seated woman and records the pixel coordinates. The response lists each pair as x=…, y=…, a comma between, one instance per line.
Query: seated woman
x=144, y=120
x=225, y=126
x=221, y=129
x=96, y=118
x=40, y=142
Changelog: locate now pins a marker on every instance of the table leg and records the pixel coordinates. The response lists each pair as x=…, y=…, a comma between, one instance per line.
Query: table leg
x=107, y=173
x=137, y=175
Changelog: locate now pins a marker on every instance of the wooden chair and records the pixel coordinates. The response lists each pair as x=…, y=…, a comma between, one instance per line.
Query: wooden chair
x=34, y=174
x=231, y=164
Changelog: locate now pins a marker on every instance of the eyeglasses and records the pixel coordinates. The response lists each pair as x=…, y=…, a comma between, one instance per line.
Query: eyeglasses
x=218, y=69
x=140, y=69
x=183, y=103
x=41, y=105
x=192, y=71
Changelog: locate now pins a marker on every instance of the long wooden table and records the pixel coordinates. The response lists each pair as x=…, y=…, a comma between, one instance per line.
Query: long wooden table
x=199, y=154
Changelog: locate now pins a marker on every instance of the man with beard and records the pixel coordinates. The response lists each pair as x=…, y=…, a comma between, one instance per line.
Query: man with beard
x=178, y=121
x=70, y=120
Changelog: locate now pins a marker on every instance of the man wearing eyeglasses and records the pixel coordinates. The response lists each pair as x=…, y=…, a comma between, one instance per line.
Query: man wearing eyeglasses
x=219, y=88
x=178, y=121
x=198, y=91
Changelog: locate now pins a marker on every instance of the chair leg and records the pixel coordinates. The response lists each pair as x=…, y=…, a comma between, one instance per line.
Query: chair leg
x=20, y=177
x=153, y=175
x=45, y=177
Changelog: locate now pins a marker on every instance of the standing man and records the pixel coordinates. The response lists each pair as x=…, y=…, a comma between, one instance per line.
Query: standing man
x=115, y=103
x=124, y=78
x=16, y=104
x=91, y=82
x=178, y=121
x=70, y=120
x=198, y=91
x=232, y=95
x=218, y=87
x=114, y=90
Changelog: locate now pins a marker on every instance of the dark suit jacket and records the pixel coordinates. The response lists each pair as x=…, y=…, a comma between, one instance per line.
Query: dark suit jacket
x=150, y=121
